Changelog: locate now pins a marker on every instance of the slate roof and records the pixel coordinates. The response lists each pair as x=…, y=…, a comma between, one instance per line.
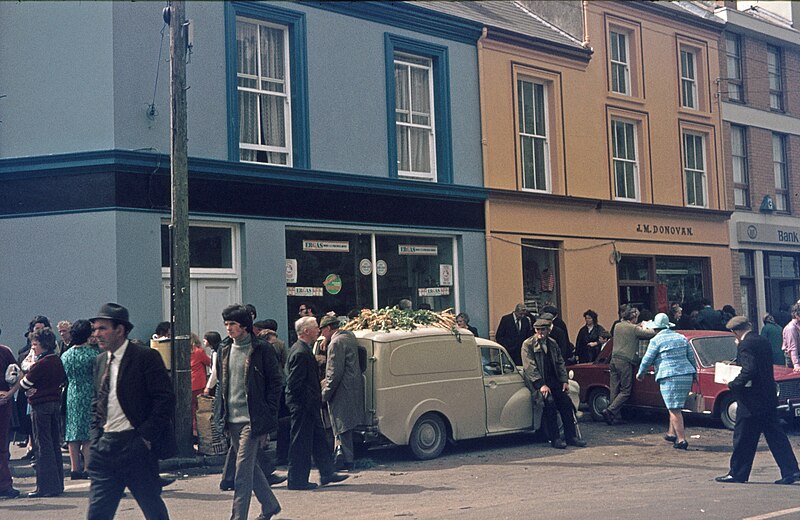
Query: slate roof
x=503, y=14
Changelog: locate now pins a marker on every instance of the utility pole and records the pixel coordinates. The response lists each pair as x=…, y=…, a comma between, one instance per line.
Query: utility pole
x=179, y=227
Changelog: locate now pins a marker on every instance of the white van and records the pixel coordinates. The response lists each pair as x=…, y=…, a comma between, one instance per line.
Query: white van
x=426, y=386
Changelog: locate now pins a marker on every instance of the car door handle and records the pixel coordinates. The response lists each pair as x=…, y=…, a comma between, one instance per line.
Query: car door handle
x=490, y=384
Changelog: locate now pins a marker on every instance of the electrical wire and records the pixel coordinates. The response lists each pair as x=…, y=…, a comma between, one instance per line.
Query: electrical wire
x=151, y=109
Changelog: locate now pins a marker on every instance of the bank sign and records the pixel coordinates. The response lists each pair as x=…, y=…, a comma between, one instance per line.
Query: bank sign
x=767, y=234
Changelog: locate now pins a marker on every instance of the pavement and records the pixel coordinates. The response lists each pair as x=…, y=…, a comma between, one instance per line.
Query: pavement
x=169, y=468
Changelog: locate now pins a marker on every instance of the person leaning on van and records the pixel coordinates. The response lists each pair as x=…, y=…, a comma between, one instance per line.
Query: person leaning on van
x=546, y=376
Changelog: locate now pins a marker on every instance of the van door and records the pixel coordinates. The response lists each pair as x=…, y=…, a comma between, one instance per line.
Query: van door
x=508, y=400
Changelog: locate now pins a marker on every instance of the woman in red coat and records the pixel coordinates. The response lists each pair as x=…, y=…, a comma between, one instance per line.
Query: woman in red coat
x=200, y=362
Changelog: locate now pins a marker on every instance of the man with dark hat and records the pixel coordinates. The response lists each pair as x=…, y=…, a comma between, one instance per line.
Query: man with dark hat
x=133, y=419
x=546, y=375
x=754, y=391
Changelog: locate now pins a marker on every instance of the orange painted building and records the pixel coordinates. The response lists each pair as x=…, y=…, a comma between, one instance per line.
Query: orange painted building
x=603, y=162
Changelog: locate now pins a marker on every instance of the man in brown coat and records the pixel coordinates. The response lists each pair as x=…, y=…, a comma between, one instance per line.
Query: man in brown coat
x=624, y=360
x=342, y=388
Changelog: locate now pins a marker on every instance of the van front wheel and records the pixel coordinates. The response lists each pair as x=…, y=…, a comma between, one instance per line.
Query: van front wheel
x=428, y=437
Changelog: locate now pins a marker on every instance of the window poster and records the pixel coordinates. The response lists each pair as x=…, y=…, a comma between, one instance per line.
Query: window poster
x=291, y=270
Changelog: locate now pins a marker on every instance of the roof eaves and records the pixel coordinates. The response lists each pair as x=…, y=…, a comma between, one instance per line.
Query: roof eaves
x=540, y=44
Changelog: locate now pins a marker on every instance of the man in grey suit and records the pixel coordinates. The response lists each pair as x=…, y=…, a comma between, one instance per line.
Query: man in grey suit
x=342, y=388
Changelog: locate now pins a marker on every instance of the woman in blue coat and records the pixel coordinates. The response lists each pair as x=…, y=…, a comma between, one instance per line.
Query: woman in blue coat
x=676, y=370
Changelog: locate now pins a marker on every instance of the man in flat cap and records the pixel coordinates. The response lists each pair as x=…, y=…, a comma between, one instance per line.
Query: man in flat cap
x=133, y=419
x=546, y=375
x=342, y=388
x=754, y=391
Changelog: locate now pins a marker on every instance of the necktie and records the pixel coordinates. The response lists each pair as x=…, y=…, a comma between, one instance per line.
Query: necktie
x=105, y=386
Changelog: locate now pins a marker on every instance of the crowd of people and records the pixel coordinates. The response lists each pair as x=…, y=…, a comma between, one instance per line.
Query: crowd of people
x=85, y=387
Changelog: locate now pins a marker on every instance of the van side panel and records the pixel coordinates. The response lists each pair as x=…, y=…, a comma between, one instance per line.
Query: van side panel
x=435, y=373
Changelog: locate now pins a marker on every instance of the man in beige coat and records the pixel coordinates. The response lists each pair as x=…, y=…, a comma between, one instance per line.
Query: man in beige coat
x=624, y=361
x=342, y=388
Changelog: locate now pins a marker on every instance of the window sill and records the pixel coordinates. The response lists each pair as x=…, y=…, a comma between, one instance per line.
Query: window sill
x=638, y=100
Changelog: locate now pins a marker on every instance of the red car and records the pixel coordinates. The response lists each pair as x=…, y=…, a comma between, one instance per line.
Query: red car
x=709, y=348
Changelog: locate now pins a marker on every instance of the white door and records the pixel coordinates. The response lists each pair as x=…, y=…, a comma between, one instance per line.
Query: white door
x=208, y=297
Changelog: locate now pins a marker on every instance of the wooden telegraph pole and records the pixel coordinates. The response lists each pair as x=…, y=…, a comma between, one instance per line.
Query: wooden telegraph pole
x=179, y=227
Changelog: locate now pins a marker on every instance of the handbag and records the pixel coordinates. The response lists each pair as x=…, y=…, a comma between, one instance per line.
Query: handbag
x=695, y=403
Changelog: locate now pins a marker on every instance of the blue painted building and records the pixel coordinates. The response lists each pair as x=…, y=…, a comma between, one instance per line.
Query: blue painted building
x=335, y=159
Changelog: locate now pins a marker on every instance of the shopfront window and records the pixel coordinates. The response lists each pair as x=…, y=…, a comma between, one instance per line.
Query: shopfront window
x=782, y=285
x=335, y=271
x=747, y=282
x=653, y=282
x=540, y=278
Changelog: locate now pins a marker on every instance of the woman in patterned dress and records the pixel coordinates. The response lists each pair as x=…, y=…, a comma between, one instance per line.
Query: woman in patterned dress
x=78, y=364
x=676, y=370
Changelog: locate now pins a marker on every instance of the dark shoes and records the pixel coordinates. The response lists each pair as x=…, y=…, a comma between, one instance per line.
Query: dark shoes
x=580, y=443
x=274, y=479
x=268, y=516
x=681, y=445
x=226, y=485
x=333, y=478
x=729, y=479
x=559, y=444
x=302, y=487
x=671, y=438
x=78, y=475
x=608, y=416
x=9, y=493
x=39, y=494
x=164, y=482
x=345, y=466
x=791, y=479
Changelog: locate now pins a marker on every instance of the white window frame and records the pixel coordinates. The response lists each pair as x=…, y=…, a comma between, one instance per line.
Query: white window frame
x=741, y=176
x=618, y=63
x=626, y=160
x=688, y=78
x=532, y=136
x=216, y=272
x=410, y=62
x=285, y=95
x=733, y=53
x=694, y=173
x=781, y=172
x=775, y=77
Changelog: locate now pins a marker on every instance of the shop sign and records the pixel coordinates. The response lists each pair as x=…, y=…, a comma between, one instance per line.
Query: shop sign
x=304, y=291
x=381, y=268
x=365, y=266
x=332, y=283
x=291, y=270
x=768, y=234
x=330, y=246
x=433, y=291
x=410, y=249
x=445, y=274
x=662, y=228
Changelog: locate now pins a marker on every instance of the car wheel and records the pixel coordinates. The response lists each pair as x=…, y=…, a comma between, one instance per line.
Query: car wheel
x=428, y=437
x=599, y=399
x=727, y=411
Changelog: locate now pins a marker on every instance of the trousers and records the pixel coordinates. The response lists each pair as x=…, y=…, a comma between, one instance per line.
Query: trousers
x=119, y=460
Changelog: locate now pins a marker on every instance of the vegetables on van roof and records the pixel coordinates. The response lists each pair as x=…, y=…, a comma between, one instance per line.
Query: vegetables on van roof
x=395, y=318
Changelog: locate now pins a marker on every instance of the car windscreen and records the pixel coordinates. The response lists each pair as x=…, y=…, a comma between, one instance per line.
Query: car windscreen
x=714, y=349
